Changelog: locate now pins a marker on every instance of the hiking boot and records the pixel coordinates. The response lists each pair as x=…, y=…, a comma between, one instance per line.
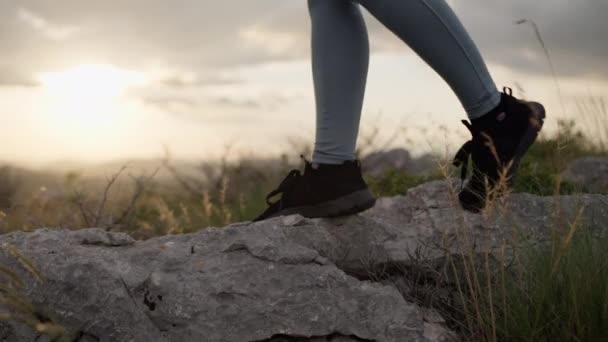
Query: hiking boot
x=500, y=140
x=324, y=191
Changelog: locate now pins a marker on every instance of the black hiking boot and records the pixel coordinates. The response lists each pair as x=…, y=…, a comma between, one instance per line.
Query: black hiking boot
x=327, y=191
x=500, y=140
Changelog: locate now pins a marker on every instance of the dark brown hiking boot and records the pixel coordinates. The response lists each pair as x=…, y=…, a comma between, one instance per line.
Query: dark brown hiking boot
x=499, y=142
x=325, y=191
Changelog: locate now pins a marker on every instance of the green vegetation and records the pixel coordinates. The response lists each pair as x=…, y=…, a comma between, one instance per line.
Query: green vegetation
x=541, y=168
x=559, y=293
x=539, y=172
x=555, y=292
x=396, y=182
x=217, y=195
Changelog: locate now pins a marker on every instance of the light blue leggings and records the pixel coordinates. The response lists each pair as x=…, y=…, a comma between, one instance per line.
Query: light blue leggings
x=340, y=59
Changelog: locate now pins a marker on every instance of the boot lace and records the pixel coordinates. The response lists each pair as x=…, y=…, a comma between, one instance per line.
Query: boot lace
x=286, y=186
x=463, y=155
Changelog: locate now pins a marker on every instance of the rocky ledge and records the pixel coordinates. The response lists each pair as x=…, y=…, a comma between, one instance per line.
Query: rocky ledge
x=285, y=279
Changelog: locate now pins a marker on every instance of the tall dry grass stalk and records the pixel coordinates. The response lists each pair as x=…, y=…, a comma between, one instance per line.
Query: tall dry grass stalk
x=593, y=114
x=14, y=302
x=494, y=291
x=225, y=211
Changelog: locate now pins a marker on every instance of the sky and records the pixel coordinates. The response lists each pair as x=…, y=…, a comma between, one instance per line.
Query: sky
x=102, y=80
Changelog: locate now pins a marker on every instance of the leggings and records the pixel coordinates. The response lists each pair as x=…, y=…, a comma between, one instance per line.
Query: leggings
x=340, y=60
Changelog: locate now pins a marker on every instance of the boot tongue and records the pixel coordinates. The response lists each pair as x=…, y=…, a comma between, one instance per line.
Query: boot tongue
x=345, y=169
x=309, y=167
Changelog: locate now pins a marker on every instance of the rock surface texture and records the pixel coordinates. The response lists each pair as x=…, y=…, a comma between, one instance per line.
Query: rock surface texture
x=285, y=279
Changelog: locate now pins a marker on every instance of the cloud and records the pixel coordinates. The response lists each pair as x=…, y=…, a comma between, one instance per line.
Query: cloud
x=12, y=78
x=233, y=103
x=194, y=34
x=191, y=80
x=207, y=35
x=170, y=103
x=226, y=101
x=52, y=31
x=268, y=101
x=272, y=42
x=573, y=31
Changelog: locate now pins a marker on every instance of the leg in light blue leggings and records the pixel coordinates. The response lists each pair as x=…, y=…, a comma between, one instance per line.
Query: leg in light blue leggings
x=340, y=58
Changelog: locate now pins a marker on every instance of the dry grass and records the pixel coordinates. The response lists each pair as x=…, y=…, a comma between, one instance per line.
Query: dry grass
x=485, y=305
x=15, y=305
x=539, y=294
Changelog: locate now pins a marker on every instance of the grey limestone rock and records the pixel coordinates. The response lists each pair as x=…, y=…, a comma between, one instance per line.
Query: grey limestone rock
x=285, y=279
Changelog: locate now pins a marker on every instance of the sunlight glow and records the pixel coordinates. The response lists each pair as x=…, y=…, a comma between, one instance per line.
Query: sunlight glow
x=86, y=83
x=86, y=106
x=88, y=95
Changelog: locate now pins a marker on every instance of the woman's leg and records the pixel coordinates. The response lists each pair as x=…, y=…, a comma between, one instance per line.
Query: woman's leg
x=503, y=127
x=433, y=31
x=340, y=60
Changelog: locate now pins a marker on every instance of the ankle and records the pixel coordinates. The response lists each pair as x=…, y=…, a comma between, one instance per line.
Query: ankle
x=489, y=116
x=316, y=164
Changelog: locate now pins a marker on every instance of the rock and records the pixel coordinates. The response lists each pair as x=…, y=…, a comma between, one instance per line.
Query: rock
x=102, y=238
x=438, y=333
x=377, y=163
x=216, y=285
x=428, y=220
x=333, y=338
x=16, y=332
x=435, y=328
x=284, y=279
x=589, y=173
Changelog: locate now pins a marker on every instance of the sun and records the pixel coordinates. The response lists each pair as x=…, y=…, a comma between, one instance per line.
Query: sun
x=87, y=95
x=90, y=82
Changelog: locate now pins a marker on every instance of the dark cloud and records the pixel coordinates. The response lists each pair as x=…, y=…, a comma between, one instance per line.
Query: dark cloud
x=192, y=103
x=265, y=101
x=190, y=34
x=203, y=35
x=574, y=33
x=170, y=103
x=224, y=109
x=180, y=82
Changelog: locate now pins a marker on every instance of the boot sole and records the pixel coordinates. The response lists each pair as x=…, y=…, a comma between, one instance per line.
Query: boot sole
x=350, y=204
